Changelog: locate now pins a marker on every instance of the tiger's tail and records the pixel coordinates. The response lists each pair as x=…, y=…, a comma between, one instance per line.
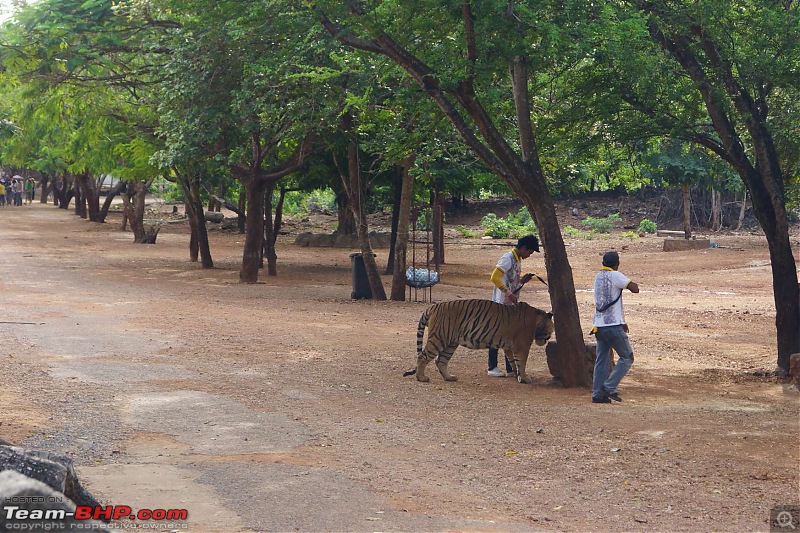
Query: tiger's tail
x=423, y=323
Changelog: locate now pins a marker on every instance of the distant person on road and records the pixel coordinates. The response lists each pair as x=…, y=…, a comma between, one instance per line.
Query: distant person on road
x=610, y=329
x=18, y=188
x=30, y=187
x=508, y=280
x=3, y=193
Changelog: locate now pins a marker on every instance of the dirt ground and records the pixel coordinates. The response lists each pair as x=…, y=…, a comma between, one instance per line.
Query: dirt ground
x=280, y=406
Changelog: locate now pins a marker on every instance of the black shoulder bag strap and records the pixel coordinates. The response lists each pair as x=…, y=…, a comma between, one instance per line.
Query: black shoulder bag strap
x=608, y=305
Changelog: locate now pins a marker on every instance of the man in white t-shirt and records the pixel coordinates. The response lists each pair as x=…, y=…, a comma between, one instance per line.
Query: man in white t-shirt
x=610, y=329
x=507, y=279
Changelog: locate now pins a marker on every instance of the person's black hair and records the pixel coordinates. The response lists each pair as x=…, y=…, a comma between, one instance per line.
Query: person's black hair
x=530, y=242
x=610, y=259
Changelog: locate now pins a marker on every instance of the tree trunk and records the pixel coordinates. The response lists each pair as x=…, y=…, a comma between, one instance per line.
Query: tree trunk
x=140, y=234
x=126, y=211
x=112, y=193
x=191, y=215
x=398, y=292
x=62, y=193
x=762, y=175
x=80, y=201
x=45, y=182
x=271, y=229
x=90, y=198
x=196, y=201
x=772, y=216
x=240, y=218
x=346, y=221
x=253, y=230
x=716, y=210
x=437, y=214
x=742, y=211
x=687, y=211
x=398, y=175
x=359, y=213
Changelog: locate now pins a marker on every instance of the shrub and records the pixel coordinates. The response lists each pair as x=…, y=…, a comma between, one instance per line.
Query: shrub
x=497, y=228
x=647, y=226
x=629, y=235
x=602, y=225
x=513, y=225
x=571, y=231
x=465, y=231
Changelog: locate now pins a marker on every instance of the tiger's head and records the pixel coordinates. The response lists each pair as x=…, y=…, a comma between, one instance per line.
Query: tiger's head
x=544, y=329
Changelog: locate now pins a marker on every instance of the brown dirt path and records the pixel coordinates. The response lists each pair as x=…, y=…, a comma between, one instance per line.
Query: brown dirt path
x=280, y=406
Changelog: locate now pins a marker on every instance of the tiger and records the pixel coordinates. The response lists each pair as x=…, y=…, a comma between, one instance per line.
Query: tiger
x=480, y=324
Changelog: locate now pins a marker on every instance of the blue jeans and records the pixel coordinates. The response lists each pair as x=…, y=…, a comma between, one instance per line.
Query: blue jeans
x=610, y=337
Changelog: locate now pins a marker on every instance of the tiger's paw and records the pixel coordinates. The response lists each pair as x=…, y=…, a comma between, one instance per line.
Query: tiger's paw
x=523, y=378
x=451, y=378
x=422, y=378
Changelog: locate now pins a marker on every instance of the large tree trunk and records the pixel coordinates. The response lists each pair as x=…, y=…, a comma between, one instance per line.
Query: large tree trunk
x=253, y=230
x=398, y=292
x=763, y=177
x=90, y=197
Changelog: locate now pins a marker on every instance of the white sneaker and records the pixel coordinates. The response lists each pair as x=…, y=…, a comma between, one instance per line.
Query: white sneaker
x=496, y=372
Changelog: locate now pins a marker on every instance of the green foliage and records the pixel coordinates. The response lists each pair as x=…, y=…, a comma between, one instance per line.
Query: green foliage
x=647, y=226
x=299, y=203
x=601, y=225
x=571, y=231
x=424, y=220
x=512, y=226
x=632, y=235
x=173, y=193
x=465, y=232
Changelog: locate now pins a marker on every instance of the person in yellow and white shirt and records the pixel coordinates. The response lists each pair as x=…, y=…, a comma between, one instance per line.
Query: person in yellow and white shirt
x=508, y=280
x=610, y=329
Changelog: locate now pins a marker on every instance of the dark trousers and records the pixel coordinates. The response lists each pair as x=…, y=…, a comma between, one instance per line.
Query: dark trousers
x=493, y=353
